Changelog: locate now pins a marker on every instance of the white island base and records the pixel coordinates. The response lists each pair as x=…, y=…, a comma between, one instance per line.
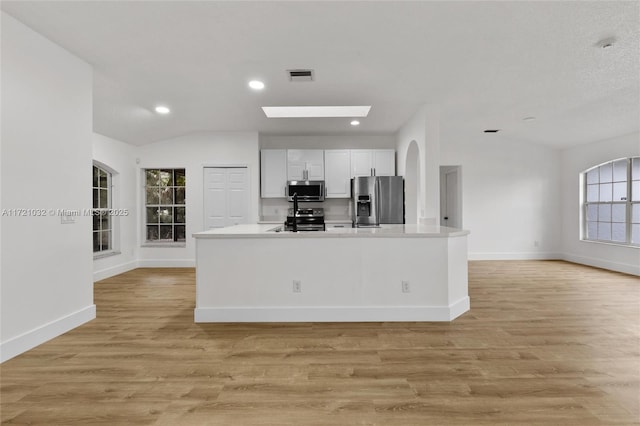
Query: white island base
x=247, y=273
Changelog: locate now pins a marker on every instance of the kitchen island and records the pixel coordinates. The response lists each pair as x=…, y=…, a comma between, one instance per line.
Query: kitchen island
x=251, y=273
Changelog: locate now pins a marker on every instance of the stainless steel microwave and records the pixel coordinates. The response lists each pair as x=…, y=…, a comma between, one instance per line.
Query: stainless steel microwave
x=307, y=190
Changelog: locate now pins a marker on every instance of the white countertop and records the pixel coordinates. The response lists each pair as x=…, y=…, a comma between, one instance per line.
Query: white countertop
x=384, y=231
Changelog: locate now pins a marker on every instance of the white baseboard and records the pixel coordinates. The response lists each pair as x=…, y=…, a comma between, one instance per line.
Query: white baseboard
x=332, y=314
x=29, y=340
x=166, y=263
x=114, y=270
x=601, y=263
x=515, y=256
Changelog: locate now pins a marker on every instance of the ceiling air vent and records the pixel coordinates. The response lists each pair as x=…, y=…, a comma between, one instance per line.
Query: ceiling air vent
x=300, y=75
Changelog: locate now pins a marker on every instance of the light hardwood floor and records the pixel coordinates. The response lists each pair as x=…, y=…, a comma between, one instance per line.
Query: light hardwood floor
x=545, y=342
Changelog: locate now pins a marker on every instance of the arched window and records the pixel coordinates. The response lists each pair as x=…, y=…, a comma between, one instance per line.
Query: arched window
x=611, y=208
x=102, y=221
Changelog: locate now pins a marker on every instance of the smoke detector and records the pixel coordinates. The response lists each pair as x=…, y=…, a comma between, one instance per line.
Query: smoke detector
x=300, y=75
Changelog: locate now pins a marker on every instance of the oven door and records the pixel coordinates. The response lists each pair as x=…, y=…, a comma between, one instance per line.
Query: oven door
x=307, y=190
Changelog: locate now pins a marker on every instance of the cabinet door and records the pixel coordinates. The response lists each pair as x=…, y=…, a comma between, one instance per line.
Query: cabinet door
x=273, y=173
x=361, y=162
x=309, y=160
x=384, y=162
x=337, y=171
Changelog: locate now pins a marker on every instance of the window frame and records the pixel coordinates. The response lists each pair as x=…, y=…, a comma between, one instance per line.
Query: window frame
x=174, y=242
x=628, y=203
x=106, y=211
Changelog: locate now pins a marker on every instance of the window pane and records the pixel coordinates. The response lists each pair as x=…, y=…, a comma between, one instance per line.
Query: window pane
x=165, y=213
x=104, y=240
x=96, y=241
x=180, y=177
x=604, y=213
x=606, y=191
x=620, y=191
x=152, y=215
x=153, y=195
x=618, y=213
x=604, y=231
x=635, y=234
x=166, y=195
x=179, y=214
x=180, y=233
x=592, y=230
x=166, y=177
x=606, y=172
x=619, y=232
x=152, y=177
x=179, y=198
x=95, y=176
x=592, y=193
x=620, y=171
x=104, y=197
x=635, y=168
x=166, y=232
x=96, y=222
x=103, y=179
x=104, y=221
x=152, y=233
x=635, y=190
x=635, y=213
x=96, y=199
x=592, y=212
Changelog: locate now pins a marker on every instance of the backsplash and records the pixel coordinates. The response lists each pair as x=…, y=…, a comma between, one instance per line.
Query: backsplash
x=276, y=208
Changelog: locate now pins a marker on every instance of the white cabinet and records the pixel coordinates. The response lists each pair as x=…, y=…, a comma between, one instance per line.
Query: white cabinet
x=303, y=164
x=382, y=162
x=337, y=173
x=273, y=173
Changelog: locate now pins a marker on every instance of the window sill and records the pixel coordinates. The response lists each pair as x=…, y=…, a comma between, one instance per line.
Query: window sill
x=610, y=243
x=172, y=245
x=102, y=255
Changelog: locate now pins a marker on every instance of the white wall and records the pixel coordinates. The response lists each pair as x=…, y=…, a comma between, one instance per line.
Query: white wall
x=511, y=196
x=574, y=161
x=193, y=152
x=424, y=129
x=47, y=285
x=120, y=158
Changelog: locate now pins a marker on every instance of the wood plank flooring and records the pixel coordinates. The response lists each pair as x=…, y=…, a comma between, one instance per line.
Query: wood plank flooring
x=545, y=342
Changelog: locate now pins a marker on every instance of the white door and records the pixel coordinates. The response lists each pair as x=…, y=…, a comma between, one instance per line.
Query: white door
x=337, y=164
x=226, y=196
x=450, y=201
x=361, y=162
x=384, y=162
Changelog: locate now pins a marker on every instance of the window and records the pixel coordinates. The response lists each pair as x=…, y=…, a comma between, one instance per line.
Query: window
x=612, y=202
x=165, y=210
x=102, y=223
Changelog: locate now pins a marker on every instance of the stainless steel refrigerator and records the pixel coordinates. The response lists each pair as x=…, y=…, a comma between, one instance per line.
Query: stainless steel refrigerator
x=377, y=200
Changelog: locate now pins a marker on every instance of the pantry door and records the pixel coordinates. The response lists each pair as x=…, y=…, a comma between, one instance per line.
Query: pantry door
x=226, y=196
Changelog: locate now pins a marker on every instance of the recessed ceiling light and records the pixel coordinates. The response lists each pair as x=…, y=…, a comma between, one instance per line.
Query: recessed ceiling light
x=316, y=111
x=355, y=123
x=531, y=118
x=492, y=130
x=161, y=109
x=256, y=85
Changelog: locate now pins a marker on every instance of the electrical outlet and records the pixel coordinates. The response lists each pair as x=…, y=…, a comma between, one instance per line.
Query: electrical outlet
x=297, y=286
x=405, y=287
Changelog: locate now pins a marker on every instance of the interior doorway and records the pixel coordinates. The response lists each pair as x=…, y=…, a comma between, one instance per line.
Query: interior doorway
x=411, y=184
x=226, y=196
x=451, y=196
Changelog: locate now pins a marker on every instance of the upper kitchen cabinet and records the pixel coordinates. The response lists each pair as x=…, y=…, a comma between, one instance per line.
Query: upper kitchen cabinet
x=368, y=162
x=337, y=170
x=273, y=173
x=305, y=164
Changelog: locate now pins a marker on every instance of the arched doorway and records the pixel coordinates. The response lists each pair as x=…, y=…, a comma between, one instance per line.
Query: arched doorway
x=411, y=183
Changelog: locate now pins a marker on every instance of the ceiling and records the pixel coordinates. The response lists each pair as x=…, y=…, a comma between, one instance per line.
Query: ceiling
x=486, y=64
